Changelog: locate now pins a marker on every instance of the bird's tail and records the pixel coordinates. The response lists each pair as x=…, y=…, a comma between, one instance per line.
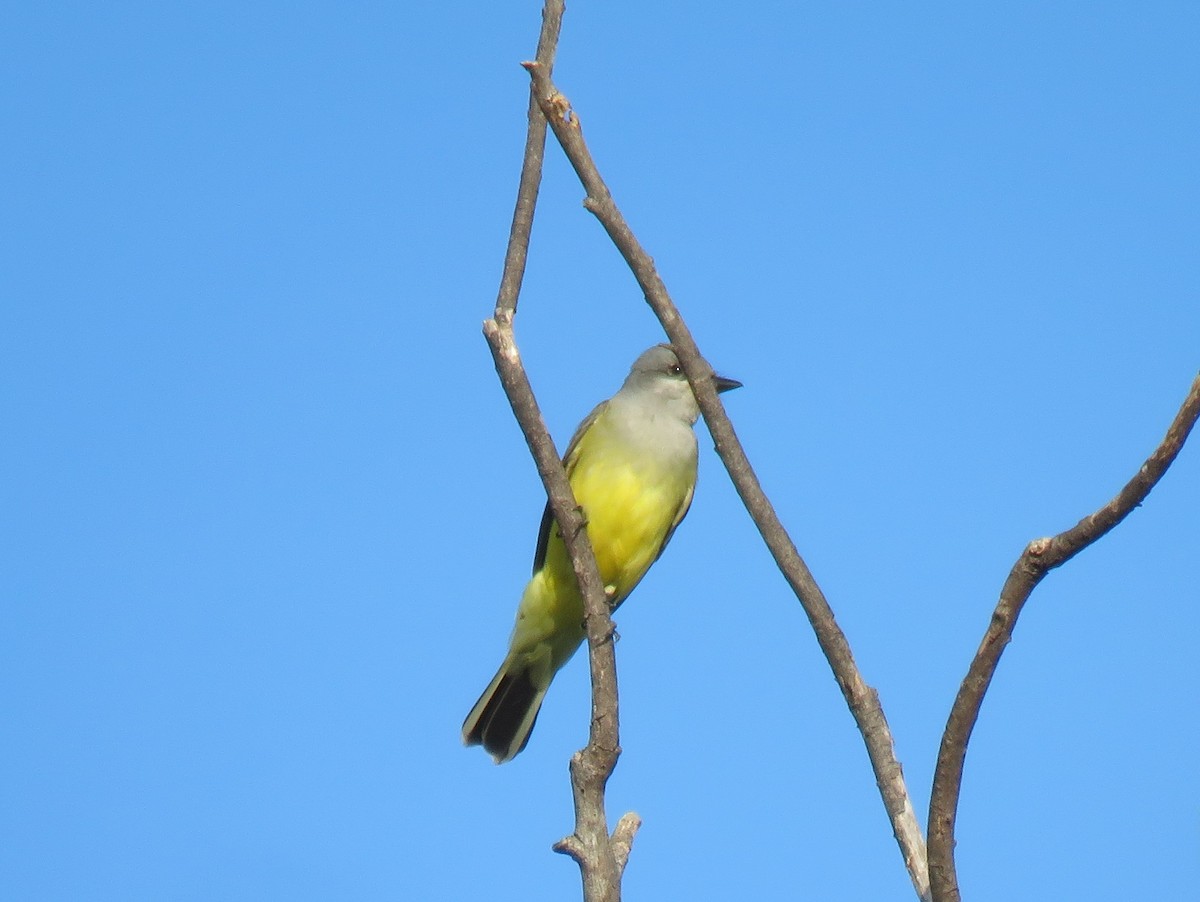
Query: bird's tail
x=503, y=718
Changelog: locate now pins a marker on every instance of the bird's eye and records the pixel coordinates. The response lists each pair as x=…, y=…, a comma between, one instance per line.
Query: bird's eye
x=675, y=369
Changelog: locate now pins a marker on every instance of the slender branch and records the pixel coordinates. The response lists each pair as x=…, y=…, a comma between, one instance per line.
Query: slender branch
x=862, y=699
x=1038, y=558
x=531, y=174
x=601, y=858
x=589, y=845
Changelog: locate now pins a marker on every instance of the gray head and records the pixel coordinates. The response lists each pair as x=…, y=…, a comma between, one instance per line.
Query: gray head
x=656, y=375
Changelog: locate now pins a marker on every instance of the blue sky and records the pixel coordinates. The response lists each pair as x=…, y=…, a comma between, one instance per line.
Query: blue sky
x=267, y=515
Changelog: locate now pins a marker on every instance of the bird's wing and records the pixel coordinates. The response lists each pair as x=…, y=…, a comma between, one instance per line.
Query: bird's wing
x=679, y=515
x=569, y=461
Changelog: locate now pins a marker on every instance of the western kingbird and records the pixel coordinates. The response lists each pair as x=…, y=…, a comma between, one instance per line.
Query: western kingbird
x=632, y=468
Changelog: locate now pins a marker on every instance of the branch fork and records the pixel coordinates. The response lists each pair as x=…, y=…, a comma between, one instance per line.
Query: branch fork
x=602, y=857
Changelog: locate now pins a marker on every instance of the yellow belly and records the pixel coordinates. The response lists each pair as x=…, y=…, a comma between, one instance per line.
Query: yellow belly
x=631, y=502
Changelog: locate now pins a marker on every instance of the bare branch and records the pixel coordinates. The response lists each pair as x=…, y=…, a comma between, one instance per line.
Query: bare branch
x=601, y=859
x=622, y=838
x=531, y=174
x=861, y=698
x=1038, y=558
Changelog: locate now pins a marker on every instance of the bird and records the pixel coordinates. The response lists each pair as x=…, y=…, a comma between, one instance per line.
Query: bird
x=632, y=468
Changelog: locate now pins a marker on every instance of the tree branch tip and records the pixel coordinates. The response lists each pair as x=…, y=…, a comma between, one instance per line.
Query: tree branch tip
x=622, y=838
x=627, y=826
x=569, y=846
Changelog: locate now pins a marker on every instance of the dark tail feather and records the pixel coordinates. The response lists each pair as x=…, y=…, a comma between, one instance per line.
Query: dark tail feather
x=503, y=718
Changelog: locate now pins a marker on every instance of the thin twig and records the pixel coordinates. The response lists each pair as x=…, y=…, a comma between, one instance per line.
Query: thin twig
x=531, y=174
x=1038, y=558
x=862, y=699
x=601, y=859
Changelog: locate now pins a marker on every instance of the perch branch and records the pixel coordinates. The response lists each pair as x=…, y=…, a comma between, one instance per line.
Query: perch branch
x=601, y=858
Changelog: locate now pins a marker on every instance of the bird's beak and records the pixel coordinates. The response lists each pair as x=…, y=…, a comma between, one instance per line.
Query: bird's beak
x=724, y=384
